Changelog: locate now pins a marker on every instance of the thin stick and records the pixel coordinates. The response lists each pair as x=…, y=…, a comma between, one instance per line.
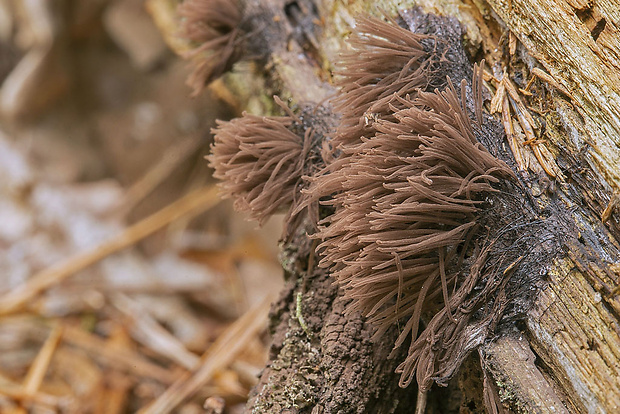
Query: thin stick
x=158, y=173
x=126, y=359
x=152, y=335
x=498, y=98
x=614, y=204
x=525, y=119
x=517, y=150
x=218, y=356
x=37, y=370
x=551, y=81
x=39, y=366
x=192, y=203
x=512, y=43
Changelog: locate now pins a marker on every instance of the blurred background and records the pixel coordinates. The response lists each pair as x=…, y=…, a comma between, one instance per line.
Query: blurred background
x=126, y=285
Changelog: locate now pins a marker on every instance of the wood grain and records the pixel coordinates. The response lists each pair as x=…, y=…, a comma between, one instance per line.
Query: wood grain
x=553, y=33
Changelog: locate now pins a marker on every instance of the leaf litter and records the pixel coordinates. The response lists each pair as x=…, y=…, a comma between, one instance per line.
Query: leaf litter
x=127, y=285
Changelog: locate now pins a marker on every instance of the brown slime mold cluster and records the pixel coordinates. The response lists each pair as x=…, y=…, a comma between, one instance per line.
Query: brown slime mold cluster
x=404, y=181
x=214, y=27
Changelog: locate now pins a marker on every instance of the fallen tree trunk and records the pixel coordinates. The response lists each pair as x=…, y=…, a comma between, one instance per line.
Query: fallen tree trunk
x=559, y=348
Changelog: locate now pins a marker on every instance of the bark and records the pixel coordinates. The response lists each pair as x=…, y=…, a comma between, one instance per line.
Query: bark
x=557, y=349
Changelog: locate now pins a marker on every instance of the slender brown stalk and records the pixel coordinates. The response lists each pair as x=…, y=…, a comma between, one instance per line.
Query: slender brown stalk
x=213, y=26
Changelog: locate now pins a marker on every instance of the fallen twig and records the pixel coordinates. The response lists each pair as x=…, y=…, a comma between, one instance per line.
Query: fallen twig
x=217, y=357
x=128, y=360
x=192, y=203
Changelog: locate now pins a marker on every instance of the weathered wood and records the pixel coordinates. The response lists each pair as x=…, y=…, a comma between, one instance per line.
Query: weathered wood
x=574, y=324
x=586, y=63
x=512, y=363
x=576, y=337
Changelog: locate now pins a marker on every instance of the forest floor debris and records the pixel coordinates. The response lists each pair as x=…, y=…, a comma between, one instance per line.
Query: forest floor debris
x=126, y=283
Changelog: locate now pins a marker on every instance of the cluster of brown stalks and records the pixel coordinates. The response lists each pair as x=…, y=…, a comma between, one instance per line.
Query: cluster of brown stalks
x=214, y=26
x=405, y=186
x=384, y=60
x=405, y=179
x=260, y=161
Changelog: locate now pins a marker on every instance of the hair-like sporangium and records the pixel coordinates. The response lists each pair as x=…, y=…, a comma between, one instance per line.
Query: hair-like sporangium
x=213, y=26
x=404, y=182
x=406, y=211
x=384, y=60
x=260, y=162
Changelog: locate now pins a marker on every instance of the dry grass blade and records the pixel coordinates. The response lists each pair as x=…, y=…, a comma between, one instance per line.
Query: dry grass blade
x=152, y=335
x=512, y=43
x=15, y=392
x=218, y=356
x=28, y=393
x=39, y=367
x=158, y=173
x=124, y=359
x=37, y=370
x=192, y=203
x=498, y=98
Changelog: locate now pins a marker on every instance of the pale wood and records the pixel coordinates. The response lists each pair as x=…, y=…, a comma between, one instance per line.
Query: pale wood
x=554, y=35
x=511, y=361
x=577, y=337
x=574, y=324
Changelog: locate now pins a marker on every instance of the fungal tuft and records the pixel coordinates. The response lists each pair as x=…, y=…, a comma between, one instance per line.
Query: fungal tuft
x=213, y=26
x=384, y=60
x=405, y=214
x=404, y=183
x=260, y=162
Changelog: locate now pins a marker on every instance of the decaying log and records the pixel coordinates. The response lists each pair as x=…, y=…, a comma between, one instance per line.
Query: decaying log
x=558, y=348
x=512, y=363
x=573, y=326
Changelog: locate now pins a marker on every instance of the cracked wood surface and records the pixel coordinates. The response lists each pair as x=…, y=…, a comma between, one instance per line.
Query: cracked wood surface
x=585, y=62
x=574, y=323
x=512, y=363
